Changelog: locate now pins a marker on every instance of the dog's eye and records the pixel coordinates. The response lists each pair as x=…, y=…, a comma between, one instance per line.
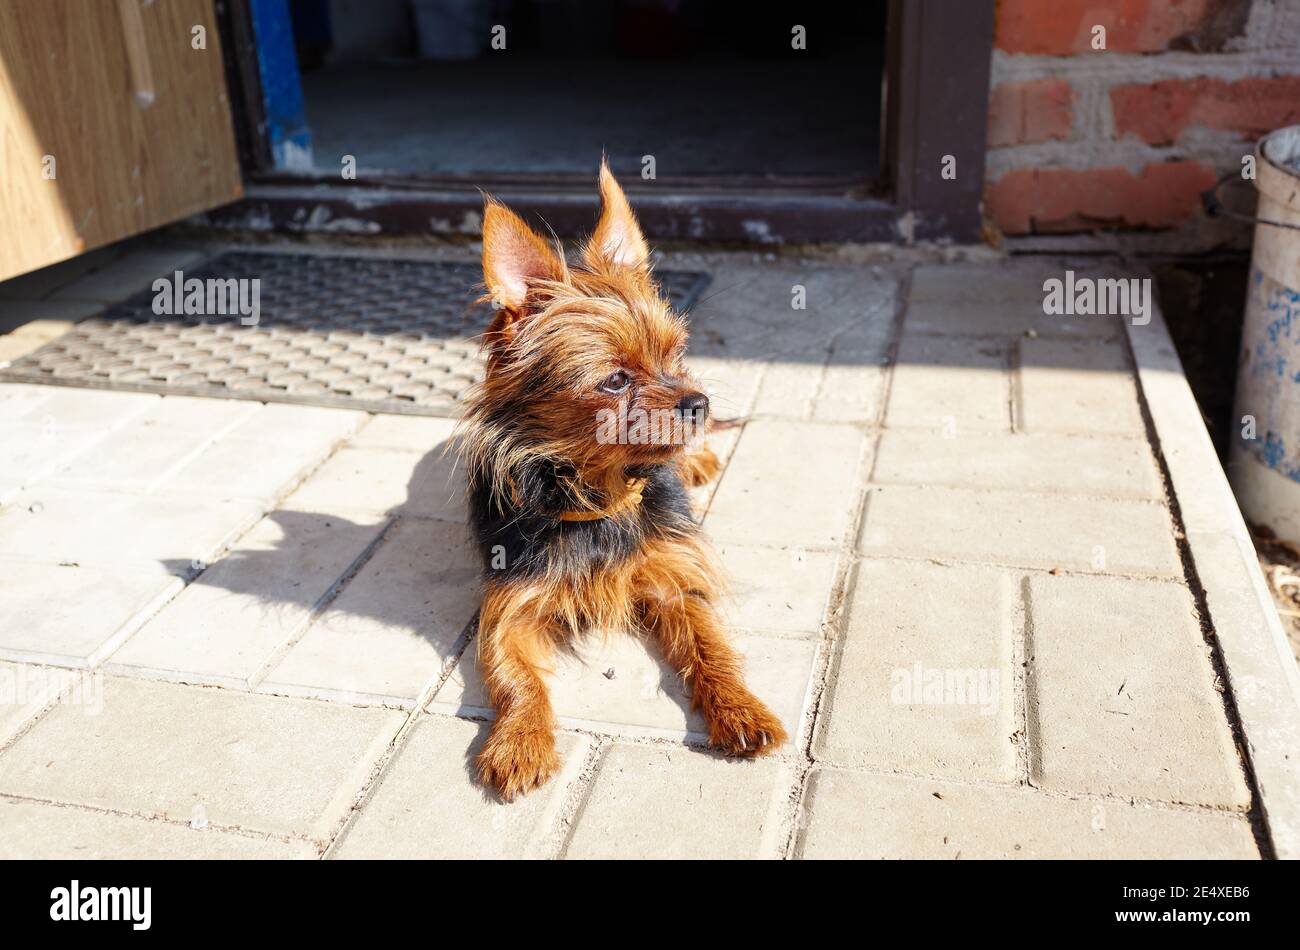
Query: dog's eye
x=616, y=383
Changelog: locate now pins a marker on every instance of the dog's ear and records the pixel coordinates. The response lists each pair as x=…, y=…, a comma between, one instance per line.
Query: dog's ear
x=617, y=238
x=514, y=256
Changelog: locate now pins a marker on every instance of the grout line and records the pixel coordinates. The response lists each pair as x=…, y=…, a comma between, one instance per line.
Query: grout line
x=402, y=733
x=825, y=661
x=320, y=606
x=159, y=818
x=554, y=841
x=1030, y=757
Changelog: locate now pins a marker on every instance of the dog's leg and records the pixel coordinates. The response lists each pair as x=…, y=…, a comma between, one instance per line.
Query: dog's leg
x=699, y=467
x=514, y=645
x=695, y=643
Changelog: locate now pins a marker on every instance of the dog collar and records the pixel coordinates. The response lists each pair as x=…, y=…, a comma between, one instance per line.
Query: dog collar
x=633, y=490
x=632, y=493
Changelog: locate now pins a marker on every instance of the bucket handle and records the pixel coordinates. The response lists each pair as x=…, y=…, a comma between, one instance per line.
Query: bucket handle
x=1214, y=208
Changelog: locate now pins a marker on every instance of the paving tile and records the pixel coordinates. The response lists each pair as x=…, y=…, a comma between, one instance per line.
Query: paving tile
x=429, y=802
x=788, y=484
x=29, y=451
x=643, y=696
x=668, y=802
x=144, y=452
x=987, y=299
x=394, y=626
x=1121, y=684
x=923, y=680
x=38, y=831
x=259, y=763
x=55, y=525
x=74, y=615
x=722, y=442
x=849, y=815
x=265, y=455
x=965, y=285
x=1048, y=531
x=229, y=623
x=26, y=689
x=776, y=591
x=789, y=388
x=134, y=271
x=61, y=407
x=405, y=433
x=952, y=385
x=421, y=483
x=1066, y=386
x=1043, y=463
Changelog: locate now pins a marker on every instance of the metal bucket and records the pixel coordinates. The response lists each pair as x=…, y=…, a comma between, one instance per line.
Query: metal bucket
x=1265, y=462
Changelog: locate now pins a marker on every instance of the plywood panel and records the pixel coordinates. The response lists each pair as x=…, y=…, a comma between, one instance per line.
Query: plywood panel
x=133, y=121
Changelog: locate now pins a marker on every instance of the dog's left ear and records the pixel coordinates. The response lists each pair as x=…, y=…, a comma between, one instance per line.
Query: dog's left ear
x=617, y=238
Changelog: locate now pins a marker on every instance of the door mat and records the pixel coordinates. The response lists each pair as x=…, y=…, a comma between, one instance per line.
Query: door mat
x=379, y=334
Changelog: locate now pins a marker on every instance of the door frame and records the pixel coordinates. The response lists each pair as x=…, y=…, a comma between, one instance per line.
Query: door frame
x=937, y=62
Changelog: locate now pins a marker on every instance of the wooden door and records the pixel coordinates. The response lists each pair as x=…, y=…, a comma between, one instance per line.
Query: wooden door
x=114, y=119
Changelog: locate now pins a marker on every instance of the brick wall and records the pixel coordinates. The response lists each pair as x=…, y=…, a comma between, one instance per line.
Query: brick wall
x=1129, y=136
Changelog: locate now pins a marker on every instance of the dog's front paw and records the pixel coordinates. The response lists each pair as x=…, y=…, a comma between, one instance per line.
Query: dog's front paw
x=744, y=726
x=518, y=758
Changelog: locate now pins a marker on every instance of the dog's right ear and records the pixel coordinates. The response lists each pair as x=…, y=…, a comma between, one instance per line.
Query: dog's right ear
x=514, y=258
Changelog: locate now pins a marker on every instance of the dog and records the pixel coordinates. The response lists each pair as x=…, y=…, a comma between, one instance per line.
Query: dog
x=583, y=521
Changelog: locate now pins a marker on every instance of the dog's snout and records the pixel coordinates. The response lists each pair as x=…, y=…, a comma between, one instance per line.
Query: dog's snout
x=694, y=405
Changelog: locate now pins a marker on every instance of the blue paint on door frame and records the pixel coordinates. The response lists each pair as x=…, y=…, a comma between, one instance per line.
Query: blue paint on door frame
x=282, y=101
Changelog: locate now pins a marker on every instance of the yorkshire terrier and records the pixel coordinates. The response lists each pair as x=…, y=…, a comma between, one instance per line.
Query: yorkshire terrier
x=579, y=446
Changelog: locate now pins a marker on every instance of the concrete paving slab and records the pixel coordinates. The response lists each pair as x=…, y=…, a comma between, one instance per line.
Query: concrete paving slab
x=950, y=385
x=229, y=623
x=422, y=483
x=39, y=831
x=1068, y=386
x=26, y=689
x=429, y=802
x=85, y=527
x=669, y=802
x=73, y=614
x=849, y=815
x=923, y=680
x=257, y=763
x=788, y=485
x=1046, y=531
x=777, y=591
x=394, y=626
x=1121, y=694
x=1039, y=463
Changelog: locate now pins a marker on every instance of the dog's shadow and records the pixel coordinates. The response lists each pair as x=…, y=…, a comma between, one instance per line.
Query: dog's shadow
x=412, y=567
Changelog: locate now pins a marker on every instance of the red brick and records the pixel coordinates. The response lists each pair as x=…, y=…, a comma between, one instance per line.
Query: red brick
x=1159, y=112
x=1164, y=195
x=1023, y=112
x=1061, y=27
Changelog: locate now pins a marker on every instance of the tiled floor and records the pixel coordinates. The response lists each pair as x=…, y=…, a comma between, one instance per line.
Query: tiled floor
x=957, y=580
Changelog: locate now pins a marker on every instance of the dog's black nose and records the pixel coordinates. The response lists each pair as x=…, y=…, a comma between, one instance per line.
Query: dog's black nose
x=694, y=405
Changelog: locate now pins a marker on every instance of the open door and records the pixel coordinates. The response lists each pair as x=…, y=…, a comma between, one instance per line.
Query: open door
x=114, y=119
